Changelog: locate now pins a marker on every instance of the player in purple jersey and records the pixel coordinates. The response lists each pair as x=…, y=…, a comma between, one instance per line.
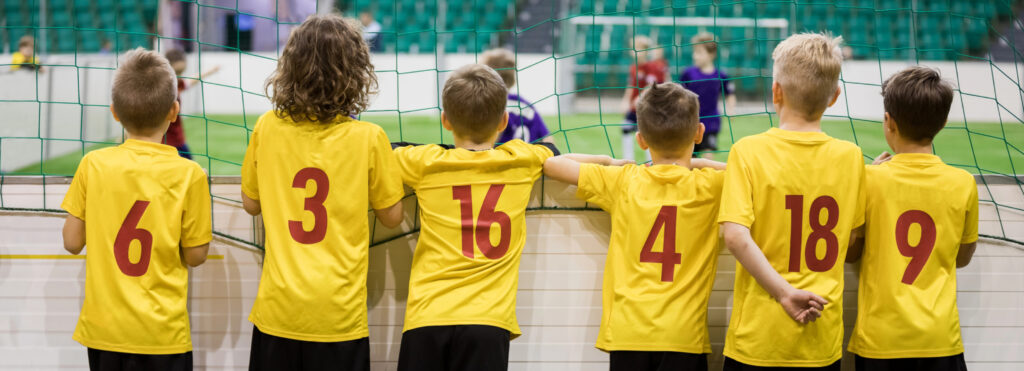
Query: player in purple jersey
x=523, y=120
x=709, y=83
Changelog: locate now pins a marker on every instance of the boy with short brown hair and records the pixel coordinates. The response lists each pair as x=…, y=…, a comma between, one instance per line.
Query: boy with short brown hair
x=466, y=192
x=140, y=200
x=663, y=251
x=907, y=317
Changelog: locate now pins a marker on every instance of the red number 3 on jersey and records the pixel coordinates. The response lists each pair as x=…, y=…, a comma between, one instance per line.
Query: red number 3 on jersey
x=313, y=204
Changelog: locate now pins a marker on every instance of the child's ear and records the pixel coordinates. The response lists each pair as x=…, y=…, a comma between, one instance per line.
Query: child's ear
x=115, y=113
x=777, y=97
x=640, y=141
x=445, y=123
x=888, y=124
x=504, y=122
x=700, y=134
x=173, y=114
x=835, y=97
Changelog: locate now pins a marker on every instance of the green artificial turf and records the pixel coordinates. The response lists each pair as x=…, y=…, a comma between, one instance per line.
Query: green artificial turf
x=218, y=141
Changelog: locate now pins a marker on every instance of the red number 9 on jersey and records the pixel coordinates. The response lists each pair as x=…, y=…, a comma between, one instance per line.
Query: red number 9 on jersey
x=313, y=204
x=919, y=253
x=130, y=232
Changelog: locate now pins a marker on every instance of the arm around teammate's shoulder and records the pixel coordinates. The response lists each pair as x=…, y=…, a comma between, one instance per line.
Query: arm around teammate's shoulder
x=566, y=168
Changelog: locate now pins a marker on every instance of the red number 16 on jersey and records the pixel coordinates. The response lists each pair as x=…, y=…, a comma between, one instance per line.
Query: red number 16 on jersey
x=480, y=231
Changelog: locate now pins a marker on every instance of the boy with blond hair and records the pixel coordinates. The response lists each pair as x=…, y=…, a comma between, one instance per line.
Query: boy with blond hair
x=312, y=171
x=460, y=313
x=791, y=200
x=524, y=122
x=145, y=214
x=907, y=317
x=655, y=301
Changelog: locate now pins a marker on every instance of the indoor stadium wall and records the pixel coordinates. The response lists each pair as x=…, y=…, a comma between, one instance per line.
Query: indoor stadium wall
x=559, y=306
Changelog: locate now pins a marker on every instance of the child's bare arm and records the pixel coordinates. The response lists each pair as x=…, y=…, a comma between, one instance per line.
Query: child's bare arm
x=700, y=163
x=856, y=245
x=251, y=206
x=196, y=255
x=390, y=216
x=803, y=306
x=963, y=257
x=74, y=234
x=730, y=104
x=566, y=168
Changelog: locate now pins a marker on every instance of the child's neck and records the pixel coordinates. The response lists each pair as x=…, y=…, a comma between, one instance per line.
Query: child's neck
x=472, y=146
x=681, y=159
x=706, y=67
x=904, y=146
x=789, y=120
x=157, y=137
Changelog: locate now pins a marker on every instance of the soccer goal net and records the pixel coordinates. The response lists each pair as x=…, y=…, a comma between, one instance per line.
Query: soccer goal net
x=572, y=60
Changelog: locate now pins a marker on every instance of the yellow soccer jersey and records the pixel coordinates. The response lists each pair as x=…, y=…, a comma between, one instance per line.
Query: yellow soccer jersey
x=19, y=60
x=919, y=212
x=472, y=209
x=141, y=204
x=801, y=194
x=315, y=183
x=662, y=255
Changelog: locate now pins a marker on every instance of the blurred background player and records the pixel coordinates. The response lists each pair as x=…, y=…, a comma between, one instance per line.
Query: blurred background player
x=907, y=317
x=140, y=193
x=24, y=58
x=650, y=68
x=313, y=171
x=524, y=122
x=461, y=309
x=176, y=132
x=792, y=198
x=655, y=303
x=705, y=79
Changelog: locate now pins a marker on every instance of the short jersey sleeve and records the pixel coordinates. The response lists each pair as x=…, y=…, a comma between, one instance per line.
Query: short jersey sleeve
x=598, y=184
x=544, y=151
x=74, y=200
x=728, y=87
x=196, y=224
x=737, y=193
x=971, y=222
x=385, y=176
x=410, y=164
x=250, y=184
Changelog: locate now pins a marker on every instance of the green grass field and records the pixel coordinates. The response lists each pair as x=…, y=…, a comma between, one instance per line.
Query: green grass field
x=218, y=142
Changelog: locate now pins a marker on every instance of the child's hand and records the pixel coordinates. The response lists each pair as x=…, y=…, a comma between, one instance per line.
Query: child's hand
x=882, y=158
x=802, y=306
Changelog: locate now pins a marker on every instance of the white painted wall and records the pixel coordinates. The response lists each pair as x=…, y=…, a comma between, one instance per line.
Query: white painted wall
x=559, y=291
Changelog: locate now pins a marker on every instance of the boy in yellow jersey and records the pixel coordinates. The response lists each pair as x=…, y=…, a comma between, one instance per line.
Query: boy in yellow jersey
x=472, y=198
x=792, y=197
x=313, y=172
x=144, y=213
x=663, y=251
x=921, y=224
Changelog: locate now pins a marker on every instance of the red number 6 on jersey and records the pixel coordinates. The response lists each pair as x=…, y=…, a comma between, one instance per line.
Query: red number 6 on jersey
x=130, y=232
x=313, y=204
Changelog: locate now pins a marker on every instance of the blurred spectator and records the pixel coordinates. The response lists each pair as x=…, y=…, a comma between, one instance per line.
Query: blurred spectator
x=371, y=31
x=106, y=47
x=24, y=58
